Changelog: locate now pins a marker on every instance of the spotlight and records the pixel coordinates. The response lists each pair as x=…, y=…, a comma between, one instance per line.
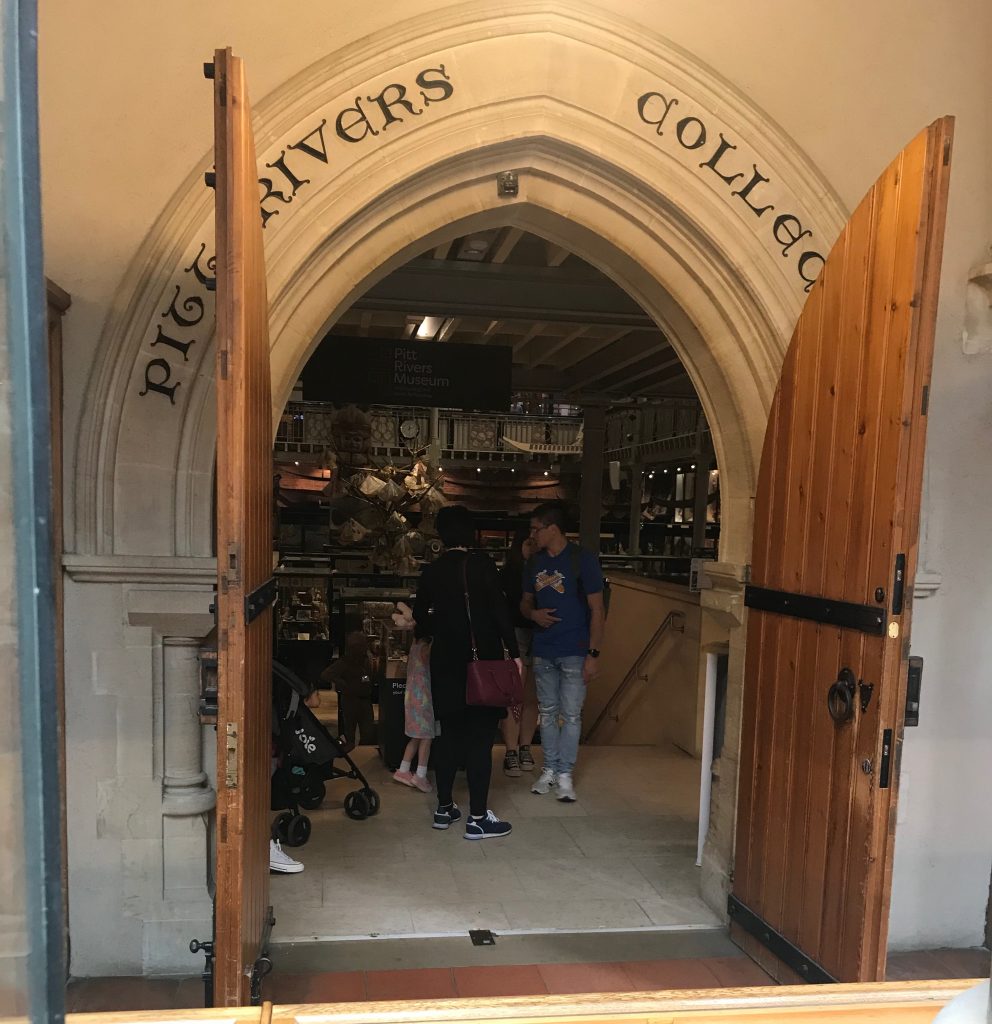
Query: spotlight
x=693, y=466
x=545, y=472
x=478, y=469
x=664, y=471
x=297, y=462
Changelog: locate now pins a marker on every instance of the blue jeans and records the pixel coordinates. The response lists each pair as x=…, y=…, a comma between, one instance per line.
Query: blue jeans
x=561, y=691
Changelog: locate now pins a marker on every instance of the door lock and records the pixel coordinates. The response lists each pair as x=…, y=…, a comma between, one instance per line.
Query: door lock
x=840, y=697
x=913, y=686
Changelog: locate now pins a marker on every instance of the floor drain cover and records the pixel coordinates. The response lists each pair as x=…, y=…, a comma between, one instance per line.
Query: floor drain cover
x=482, y=937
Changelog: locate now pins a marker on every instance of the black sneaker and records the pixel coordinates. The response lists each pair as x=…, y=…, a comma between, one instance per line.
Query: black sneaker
x=444, y=816
x=526, y=759
x=511, y=764
x=488, y=827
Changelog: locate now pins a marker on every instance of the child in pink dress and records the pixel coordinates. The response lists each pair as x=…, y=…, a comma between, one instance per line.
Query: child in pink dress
x=418, y=710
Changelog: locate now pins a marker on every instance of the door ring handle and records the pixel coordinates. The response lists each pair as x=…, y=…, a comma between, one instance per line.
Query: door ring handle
x=840, y=697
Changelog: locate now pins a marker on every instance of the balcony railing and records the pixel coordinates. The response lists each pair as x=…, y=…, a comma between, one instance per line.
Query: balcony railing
x=308, y=427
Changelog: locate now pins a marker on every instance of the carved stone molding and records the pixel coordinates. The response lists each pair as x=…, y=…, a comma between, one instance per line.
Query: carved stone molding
x=592, y=179
x=977, y=334
x=140, y=569
x=724, y=597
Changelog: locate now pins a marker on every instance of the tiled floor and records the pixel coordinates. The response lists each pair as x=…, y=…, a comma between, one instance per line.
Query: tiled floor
x=598, y=896
x=622, y=857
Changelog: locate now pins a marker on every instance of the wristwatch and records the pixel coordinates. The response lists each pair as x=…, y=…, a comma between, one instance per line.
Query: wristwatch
x=592, y=652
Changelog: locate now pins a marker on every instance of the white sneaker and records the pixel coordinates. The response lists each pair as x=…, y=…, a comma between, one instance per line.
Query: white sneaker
x=545, y=781
x=566, y=791
x=282, y=862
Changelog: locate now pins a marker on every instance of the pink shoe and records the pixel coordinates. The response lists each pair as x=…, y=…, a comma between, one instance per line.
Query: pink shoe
x=405, y=777
x=422, y=783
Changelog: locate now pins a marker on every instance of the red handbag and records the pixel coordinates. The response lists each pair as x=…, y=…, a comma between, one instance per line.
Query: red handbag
x=490, y=684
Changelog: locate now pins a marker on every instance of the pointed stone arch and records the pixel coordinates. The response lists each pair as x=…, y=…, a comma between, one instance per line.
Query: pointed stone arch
x=627, y=185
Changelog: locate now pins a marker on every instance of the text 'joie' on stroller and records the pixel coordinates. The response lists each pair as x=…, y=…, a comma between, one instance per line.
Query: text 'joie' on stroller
x=306, y=753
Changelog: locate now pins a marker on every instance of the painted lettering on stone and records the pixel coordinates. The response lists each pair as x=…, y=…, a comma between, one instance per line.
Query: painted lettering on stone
x=287, y=177
x=690, y=133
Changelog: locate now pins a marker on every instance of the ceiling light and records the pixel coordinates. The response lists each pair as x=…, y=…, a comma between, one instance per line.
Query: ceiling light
x=296, y=463
x=664, y=471
x=475, y=246
x=545, y=472
x=693, y=466
x=429, y=327
x=478, y=469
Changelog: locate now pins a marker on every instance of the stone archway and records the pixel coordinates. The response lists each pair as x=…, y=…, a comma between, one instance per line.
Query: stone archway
x=697, y=197
x=628, y=152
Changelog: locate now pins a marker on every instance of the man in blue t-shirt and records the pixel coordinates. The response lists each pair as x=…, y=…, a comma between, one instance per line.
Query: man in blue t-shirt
x=563, y=597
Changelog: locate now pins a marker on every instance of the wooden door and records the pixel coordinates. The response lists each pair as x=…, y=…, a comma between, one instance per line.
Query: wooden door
x=830, y=598
x=245, y=587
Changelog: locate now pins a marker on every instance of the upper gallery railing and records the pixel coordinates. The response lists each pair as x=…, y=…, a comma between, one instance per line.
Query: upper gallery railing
x=642, y=433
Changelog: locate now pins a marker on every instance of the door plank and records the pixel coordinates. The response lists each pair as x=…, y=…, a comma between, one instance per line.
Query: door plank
x=244, y=549
x=838, y=497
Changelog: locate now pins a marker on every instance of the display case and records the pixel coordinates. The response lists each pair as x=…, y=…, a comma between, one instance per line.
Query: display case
x=302, y=609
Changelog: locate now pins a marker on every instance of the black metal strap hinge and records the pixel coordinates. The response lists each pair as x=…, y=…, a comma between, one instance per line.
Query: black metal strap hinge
x=259, y=599
x=845, y=614
x=777, y=943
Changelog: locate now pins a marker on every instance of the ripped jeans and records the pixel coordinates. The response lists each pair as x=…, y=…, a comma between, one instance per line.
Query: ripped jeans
x=561, y=691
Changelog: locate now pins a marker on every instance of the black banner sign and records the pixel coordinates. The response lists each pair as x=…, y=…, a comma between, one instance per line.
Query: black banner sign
x=370, y=371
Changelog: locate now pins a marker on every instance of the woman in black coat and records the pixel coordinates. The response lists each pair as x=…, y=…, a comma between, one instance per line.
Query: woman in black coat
x=466, y=732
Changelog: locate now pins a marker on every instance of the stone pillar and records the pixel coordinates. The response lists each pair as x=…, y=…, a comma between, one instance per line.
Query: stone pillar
x=186, y=794
x=185, y=788
x=593, y=460
x=636, y=494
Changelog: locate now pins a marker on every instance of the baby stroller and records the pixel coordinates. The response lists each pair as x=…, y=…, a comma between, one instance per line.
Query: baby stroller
x=307, y=752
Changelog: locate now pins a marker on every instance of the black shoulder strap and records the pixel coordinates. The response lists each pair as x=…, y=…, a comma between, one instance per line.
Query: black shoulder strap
x=576, y=554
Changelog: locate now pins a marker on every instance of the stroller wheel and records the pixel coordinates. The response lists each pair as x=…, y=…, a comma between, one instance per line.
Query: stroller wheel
x=297, y=830
x=372, y=798
x=313, y=794
x=356, y=805
x=280, y=825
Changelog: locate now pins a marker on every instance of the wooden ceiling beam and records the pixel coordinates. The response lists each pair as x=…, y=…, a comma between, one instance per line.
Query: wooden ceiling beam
x=616, y=357
x=506, y=244
x=544, y=354
x=557, y=255
x=655, y=372
x=490, y=332
x=580, y=352
x=531, y=334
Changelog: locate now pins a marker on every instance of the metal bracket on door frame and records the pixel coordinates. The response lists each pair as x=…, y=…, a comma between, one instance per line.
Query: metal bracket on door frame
x=777, y=944
x=259, y=599
x=262, y=967
x=864, y=617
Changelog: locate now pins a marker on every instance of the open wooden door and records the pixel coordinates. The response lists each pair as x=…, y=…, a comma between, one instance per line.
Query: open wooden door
x=836, y=525
x=245, y=585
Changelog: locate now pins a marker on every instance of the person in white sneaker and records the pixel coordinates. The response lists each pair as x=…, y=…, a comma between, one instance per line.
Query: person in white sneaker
x=563, y=597
x=280, y=862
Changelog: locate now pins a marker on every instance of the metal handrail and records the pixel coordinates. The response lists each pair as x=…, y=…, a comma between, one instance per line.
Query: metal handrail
x=673, y=620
